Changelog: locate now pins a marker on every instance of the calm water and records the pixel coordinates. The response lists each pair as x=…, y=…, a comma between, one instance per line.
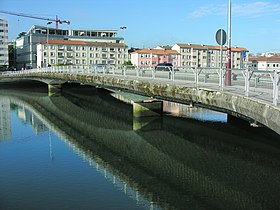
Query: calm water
x=84, y=150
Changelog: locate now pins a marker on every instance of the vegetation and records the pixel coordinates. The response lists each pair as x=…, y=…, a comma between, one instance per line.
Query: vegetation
x=21, y=34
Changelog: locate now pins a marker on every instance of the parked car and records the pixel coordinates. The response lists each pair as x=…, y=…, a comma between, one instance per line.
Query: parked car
x=164, y=67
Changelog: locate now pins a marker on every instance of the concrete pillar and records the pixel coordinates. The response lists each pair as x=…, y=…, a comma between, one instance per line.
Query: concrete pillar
x=148, y=108
x=54, y=89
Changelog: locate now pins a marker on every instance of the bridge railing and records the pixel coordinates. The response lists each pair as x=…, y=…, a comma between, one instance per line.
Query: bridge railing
x=248, y=81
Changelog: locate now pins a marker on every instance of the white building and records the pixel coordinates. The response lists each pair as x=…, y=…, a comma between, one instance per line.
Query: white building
x=4, y=55
x=80, y=53
x=26, y=46
x=265, y=63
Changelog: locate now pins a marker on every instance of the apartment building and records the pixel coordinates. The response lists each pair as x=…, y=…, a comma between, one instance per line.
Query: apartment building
x=265, y=63
x=80, y=53
x=26, y=46
x=4, y=54
x=195, y=55
x=152, y=57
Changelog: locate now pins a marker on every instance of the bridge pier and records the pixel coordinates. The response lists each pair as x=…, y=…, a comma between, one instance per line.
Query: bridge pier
x=147, y=115
x=149, y=108
x=54, y=89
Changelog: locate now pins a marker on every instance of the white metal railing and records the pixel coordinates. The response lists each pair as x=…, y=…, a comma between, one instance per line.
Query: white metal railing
x=261, y=84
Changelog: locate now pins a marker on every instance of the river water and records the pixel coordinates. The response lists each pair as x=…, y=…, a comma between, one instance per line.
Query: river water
x=84, y=150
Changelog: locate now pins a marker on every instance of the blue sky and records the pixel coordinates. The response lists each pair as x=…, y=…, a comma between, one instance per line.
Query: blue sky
x=255, y=24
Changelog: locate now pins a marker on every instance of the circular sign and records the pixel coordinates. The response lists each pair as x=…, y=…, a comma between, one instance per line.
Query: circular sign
x=221, y=37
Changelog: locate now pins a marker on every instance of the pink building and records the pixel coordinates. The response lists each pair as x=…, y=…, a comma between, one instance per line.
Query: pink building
x=152, y=57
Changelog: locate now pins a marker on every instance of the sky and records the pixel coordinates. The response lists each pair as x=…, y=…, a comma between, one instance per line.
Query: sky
x=255, y=24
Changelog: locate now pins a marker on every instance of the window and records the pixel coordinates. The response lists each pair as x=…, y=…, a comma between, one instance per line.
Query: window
x=77, y=47
x=83, y=48
x=77, y=54
x=52, y=54
x=91, y=55
x=60, y=54
x=77, y=61
x=83, y=55
x=84, y=61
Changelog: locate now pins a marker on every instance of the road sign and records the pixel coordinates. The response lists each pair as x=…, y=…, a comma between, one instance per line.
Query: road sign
x=221, y=37
x=243, y=54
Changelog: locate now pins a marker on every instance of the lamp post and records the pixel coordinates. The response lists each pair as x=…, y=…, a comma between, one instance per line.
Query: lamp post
x=228, y=71
x=123, y=28
x=48, y=23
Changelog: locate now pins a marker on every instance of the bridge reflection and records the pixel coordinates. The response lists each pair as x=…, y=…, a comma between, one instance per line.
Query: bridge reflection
x=184, y=164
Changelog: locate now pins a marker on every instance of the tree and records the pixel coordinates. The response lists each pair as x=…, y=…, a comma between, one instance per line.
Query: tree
x=127, y=63
x=21, y=34
x=11, y=56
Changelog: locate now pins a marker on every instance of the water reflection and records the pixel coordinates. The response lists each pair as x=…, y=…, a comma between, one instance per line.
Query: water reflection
x=183, y=163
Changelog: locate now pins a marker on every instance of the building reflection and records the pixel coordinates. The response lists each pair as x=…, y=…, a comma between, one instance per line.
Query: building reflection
x=23, y=113
x=5, y=119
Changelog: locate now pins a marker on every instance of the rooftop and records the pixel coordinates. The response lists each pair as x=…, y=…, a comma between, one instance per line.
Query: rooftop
x=72, y=42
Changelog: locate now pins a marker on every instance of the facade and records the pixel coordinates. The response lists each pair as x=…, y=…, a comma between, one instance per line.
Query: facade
x=80, y=53
x=26, y=46
x=194, y=55
x=152, y=57
x=4, y=54
x=265, y=63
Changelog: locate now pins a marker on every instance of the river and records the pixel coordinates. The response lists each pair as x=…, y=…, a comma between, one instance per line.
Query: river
x=83, y=149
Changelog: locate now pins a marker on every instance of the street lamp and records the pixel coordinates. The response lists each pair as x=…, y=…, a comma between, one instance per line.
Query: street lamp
x=47, y=64
x=123, y=28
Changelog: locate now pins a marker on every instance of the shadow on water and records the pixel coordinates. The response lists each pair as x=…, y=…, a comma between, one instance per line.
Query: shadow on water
x=180, y=164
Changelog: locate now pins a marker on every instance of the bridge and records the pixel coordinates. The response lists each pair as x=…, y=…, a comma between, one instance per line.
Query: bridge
x=253, y=95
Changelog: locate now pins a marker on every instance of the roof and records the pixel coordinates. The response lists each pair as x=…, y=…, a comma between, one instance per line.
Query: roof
x=211, y=47
x=74, y=42
x=266, y=59
x=157, y=52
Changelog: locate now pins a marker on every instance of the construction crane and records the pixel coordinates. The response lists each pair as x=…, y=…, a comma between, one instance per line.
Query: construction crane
x=57, y=21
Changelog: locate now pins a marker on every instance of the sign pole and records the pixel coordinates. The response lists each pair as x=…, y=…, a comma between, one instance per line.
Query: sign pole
x=221, y=40
x=221, y=62
x=228, y=71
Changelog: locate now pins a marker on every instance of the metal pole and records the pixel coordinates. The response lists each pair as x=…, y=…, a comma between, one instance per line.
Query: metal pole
x=221, y=62
x=228, y=72
x=48, y=43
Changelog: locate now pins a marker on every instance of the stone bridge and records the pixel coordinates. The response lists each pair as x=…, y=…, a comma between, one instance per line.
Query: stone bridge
x=235, y=103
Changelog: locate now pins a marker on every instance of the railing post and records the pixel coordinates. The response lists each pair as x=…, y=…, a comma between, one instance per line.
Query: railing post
x=247, y=82
x=124, y=71
x=276, y=80
x=137, y=71
x=221, y=81
x=153, y=73
x=196, y=76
